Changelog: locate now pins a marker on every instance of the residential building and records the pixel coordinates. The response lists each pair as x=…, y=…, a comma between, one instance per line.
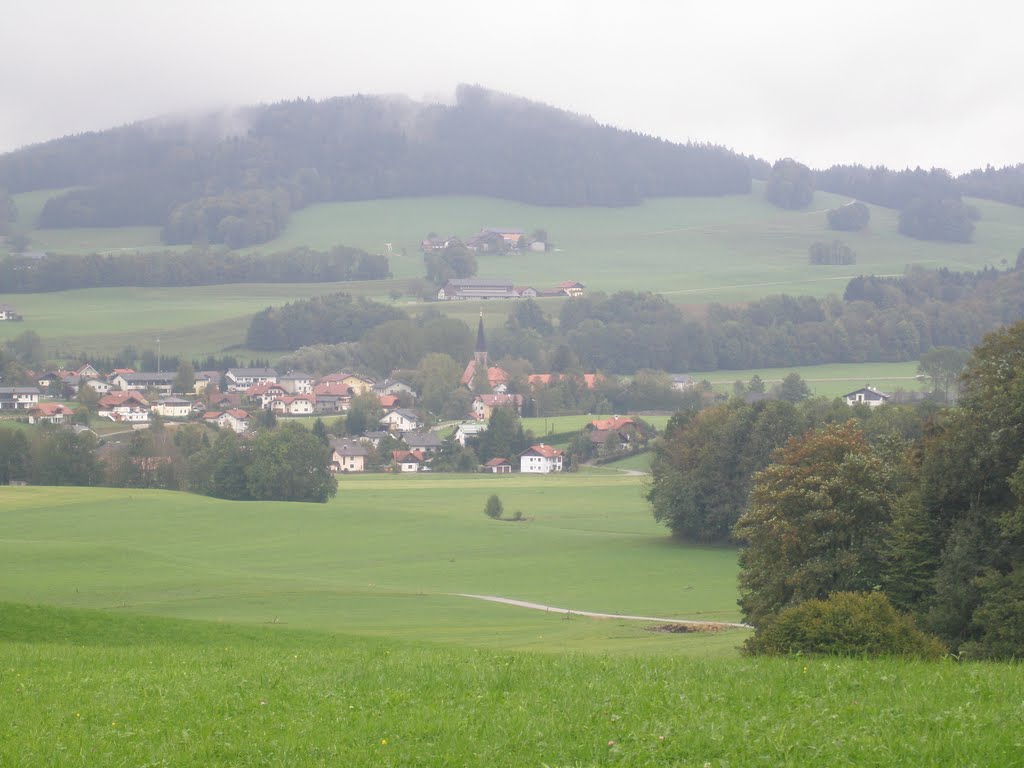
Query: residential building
x=145, y=382
x=240, y=379
x=477, y=288
x=401, y=420
x=540, y=459
x=50, y=413
x=296, y=383
x=348, y=455
x=498, y=466
x=18, y=398
x=484, y=405
x=172, y=407
x=7, y=312
x=468, y=431
x=408, y=461
x=867, y=396
x=425, y=442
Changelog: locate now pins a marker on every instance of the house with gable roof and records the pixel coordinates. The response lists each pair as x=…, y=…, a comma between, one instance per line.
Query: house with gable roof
x=867, y=395
x=540, y=459
x=348, y=455
x=240, y=379
x=401, y=420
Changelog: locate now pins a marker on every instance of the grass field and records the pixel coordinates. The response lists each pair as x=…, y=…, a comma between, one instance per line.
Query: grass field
x=82, y=688
x=832, y=380
x=386, y=557
x=692, y=250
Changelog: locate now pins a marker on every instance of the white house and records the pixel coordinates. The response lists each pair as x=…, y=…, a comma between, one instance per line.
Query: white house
x=347, y=455
x=540, y=459
x=868, y=396
x=464, y=431
x=298, y=405
x=18, y=398
x=141, y=382
x=172, y=407
x=296, y=383
x=240, y=379
x=401, y=420
x=7, y=312
x=407, y=461
x=235, y=419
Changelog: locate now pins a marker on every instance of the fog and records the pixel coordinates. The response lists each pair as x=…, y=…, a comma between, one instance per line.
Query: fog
x=900, y=84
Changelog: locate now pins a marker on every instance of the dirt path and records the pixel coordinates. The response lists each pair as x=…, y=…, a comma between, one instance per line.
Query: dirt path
x=594, y=615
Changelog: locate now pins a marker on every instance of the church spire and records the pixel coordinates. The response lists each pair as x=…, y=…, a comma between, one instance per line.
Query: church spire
x=480, y=355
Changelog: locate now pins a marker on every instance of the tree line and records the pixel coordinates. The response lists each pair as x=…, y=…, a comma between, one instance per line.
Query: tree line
x=197, y=266
x=286, y=463
x=923, y=504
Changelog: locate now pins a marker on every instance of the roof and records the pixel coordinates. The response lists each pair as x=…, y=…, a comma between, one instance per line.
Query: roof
x=296, y=375
x=19, y=390
x=135, y=378
x=262, y=388
x=174, y=401
x=869, y=390
x=237, y=413
x=407, y=457
x=471, y=429
x=332, y=387
x=405, y=413
x=497, y=461
x=545, y=451
x=121, y=398
x=51, y=409
x=348, y=447
x=424, y=439
x=496, y=401
x=388, y=401
x=615, y=422
x=251, y=373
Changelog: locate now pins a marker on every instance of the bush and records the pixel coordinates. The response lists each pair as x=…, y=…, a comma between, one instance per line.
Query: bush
x=494, y=507
x=846, y=624
x=835, y=252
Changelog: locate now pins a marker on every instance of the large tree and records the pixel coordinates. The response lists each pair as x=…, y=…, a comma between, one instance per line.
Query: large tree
x=814, y=522
x=790, y=185
x=290, y=464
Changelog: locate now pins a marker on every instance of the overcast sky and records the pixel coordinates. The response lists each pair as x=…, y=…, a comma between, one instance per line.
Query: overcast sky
x=900, y=83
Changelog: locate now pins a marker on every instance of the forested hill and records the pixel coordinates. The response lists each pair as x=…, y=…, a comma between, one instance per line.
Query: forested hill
x=235, y=178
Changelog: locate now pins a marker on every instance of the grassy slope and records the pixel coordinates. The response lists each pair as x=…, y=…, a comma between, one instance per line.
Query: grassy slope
x=694, y=250
x=383, y=559
x=80, y=688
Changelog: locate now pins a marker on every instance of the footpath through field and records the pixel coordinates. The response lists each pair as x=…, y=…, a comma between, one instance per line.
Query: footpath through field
x=594, y=615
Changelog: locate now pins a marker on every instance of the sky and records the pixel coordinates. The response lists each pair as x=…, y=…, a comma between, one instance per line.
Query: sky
x=901, y=83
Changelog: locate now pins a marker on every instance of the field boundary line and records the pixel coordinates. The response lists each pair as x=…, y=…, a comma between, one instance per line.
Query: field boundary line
x=597, y=615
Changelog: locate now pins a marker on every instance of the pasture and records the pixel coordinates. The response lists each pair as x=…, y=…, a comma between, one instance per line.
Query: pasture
x=833, y=380
x=387, y=557
x=87, y=688
x=691, y=250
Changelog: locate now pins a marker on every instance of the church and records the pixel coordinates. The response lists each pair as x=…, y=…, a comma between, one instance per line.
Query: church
x=496, y=378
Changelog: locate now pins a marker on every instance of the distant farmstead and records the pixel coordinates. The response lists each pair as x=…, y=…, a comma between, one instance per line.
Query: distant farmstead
x=477, y=288
x=7, y=312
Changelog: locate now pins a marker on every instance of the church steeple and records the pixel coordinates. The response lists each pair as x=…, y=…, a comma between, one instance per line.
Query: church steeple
x=480, y=355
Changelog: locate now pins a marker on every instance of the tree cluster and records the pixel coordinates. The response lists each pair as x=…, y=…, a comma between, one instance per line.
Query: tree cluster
x=790, y=185
x=199, y=266
x=835, y=252
x=852, y=217
x=329, y=319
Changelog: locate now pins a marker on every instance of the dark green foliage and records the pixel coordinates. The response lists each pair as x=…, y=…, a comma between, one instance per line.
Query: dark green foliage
x=814, y=522
x=881, y=186
x=529, y=315
x=945, y=219
x=1003, y=184
x=199, y=185
x=8, y=210
x=844, y=624
x=60, y=457
x=702, y=470
x=494, y=508
x=455, y=261
x=790, y=185
x=852, y=217
x=15, y=462
x=321, y=320
x=290, y=464
x=200, y=266
x=831, y=253
x=793, y=388
x=504, y=436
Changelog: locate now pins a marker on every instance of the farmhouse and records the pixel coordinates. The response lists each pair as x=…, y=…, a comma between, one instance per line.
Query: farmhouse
x=477, y=288
x=540, y=459
x=681, y=382
x=7, y=312
x=509, y=235
x=498, y=466
x=18, y=398
x=127, y=406
x=570, y=288
x=868, y=396
x=265, y=393
x=143, y=382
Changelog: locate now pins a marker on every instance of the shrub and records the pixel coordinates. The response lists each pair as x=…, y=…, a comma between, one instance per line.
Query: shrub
x=494, y=507
x=852, y=217
x=846, y=624
x=835, y=252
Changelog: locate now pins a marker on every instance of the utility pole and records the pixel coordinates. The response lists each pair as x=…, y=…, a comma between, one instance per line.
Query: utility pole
x=158, y=354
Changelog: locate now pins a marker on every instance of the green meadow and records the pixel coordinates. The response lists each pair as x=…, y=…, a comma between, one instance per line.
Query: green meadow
x=387, y=557
x=692, y=250
x=90, y=688
x=833, y=380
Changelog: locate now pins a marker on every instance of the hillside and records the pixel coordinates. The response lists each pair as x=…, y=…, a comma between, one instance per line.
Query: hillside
x=235, y=177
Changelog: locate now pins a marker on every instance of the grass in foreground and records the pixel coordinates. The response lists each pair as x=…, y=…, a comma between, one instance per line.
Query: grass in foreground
x=80, y=688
